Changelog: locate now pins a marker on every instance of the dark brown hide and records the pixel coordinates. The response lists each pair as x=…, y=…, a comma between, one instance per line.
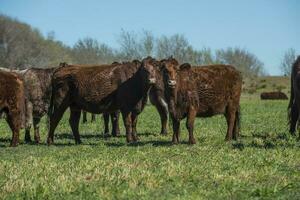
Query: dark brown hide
x=273, y=96
x=202, y=92
x=157, y=98
x=38, y=92
x=99, y=89
x=294, y=104
x=12, y=102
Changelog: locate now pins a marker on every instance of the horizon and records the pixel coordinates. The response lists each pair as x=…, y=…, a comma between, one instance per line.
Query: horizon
x=266, y=29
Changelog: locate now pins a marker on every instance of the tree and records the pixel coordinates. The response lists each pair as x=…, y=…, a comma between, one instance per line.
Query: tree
x=176, y=45
x=146, y=44
x=90, y=51
x=242, y=59
x=129, y=46
x=288, y=59
x=22, y=46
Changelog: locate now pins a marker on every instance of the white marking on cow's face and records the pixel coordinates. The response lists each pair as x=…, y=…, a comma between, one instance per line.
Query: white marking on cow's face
x=152, y=80
x=171, y=83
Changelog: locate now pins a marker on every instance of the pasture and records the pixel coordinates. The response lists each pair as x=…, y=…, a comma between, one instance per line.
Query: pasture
x=263, y=163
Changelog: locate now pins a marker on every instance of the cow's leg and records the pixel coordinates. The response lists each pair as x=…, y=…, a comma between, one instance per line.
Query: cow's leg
x=236, y=128
x=115, y=123
x=93, y=117
x=294, y=118
x=163, y=113
x=36, y=127
x=54, y=119
x=106, y=123
x=74, y=123
x=28, y=121
x=190, y=124
x=230, y=118
x=84, y=120
x=176, y=130
x=14, y=122
x=134, y=118
x=127, y=123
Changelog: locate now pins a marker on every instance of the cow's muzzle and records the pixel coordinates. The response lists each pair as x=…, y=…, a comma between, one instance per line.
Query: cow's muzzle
x=171, y=83
x=152, y=80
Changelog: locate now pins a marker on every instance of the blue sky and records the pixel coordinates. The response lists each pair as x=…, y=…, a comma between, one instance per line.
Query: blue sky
x=266, y=28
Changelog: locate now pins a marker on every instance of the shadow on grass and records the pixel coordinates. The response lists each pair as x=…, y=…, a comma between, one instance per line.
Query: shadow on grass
x=155, y=143
x=263, y=141
x=97, y=136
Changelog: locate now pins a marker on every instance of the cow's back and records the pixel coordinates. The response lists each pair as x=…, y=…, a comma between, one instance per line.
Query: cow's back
x=38, y=88
x=216, y=86
x=94, y=85
x=11, y=92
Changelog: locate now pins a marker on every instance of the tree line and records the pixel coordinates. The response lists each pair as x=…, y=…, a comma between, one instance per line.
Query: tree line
x=22, y=46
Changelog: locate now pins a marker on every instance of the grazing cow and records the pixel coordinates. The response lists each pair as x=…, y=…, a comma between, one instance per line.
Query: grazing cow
x=294, y=104
x=273, y=96
x=202, y=92
x=101, y=89
x=12, y=102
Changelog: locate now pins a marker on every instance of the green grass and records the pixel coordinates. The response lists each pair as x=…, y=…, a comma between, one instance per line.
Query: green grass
x=263, y=164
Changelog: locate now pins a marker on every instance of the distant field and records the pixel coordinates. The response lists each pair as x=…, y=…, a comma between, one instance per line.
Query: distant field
x=263, y=164
x=252, y=87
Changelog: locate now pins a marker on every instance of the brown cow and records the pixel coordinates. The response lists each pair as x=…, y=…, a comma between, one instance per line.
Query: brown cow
x=37, y=83
x=202, y=92
x=157, y=98
x=273, y=96
x=38, y=92
x=12, y=102
x=294, y=104
x=101, y=89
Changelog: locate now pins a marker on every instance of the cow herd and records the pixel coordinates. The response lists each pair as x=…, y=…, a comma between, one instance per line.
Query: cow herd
x=176, y=90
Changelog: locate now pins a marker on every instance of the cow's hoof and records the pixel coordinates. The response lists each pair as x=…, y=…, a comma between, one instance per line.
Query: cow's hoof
x=49, y=141
x=78, y=142
x=174, y=142
x=164, y=133
x=129, y=139
x=37, y=140
x=136, y=138
x=192, y=141
x=13, y=144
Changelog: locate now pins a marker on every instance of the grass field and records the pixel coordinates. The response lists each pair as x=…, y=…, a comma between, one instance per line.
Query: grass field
x=263, y=164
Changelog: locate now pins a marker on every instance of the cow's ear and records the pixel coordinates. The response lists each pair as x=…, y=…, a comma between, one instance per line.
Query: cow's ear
x=185, y=66
x=63, y=64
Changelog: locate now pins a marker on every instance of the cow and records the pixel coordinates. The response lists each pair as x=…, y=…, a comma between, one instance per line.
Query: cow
x=202, y=92
x=37, y=84
x=12, y=102
x=156, y=97
x=294, y=104
x=273, y=96
x=99, y=89
x=38, y=92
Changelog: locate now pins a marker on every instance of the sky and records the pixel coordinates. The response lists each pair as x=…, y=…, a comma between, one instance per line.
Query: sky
x=266, y=28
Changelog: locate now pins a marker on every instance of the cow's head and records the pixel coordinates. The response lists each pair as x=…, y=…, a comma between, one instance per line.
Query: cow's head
x=149, y=69
x=169, y=68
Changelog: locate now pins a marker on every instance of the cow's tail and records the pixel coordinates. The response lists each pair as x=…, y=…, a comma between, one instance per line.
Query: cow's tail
x=238, y=120
x=291, y=101
x=51, y=107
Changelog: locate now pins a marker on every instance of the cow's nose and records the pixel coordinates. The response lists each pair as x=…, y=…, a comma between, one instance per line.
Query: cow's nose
x=152, y=80
x=172, y=83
